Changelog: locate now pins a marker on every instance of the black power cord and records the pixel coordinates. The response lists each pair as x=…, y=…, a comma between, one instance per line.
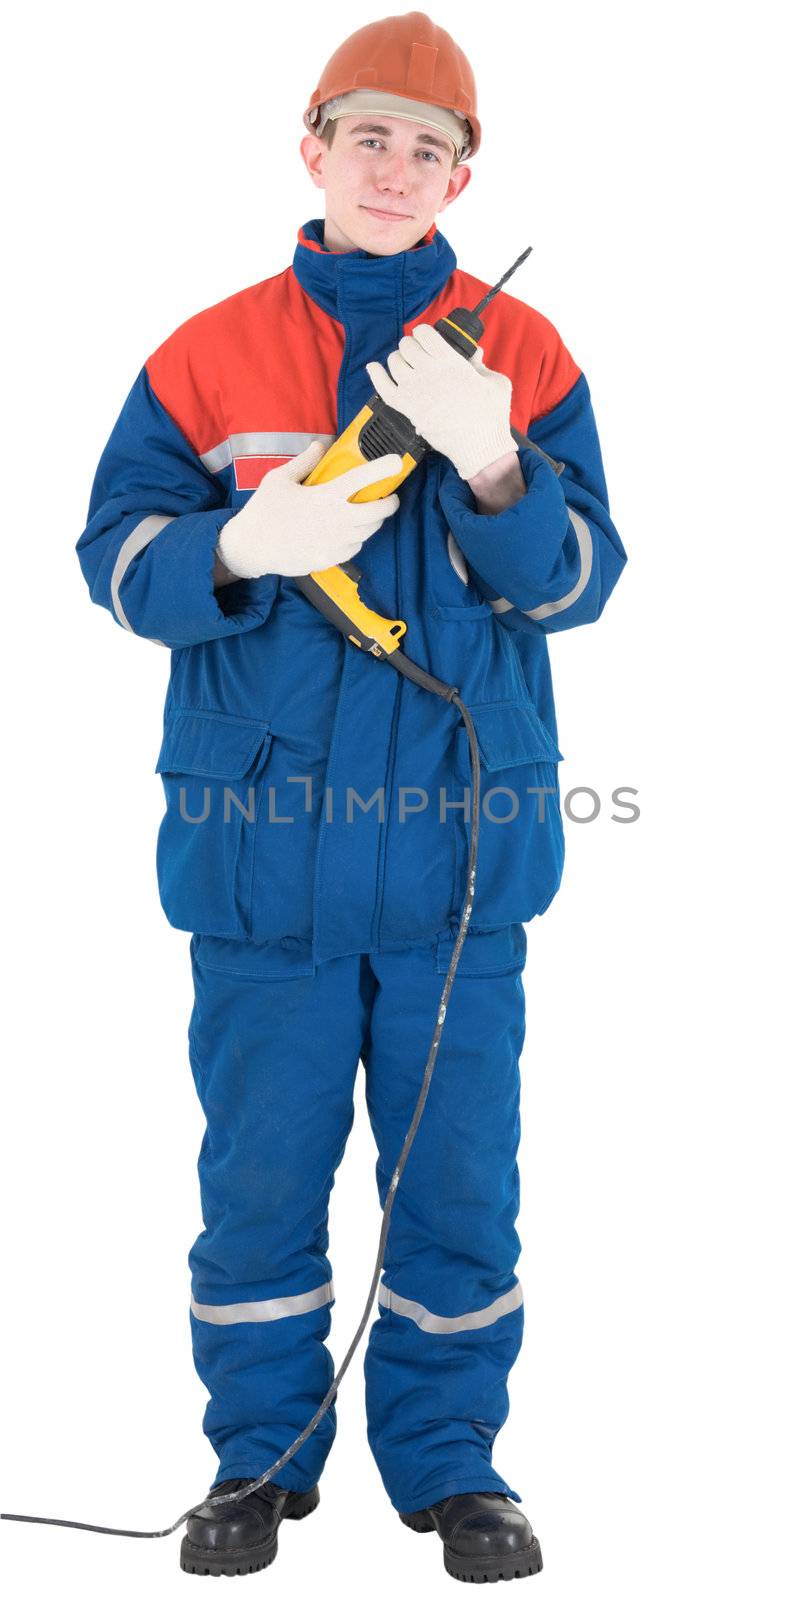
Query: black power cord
x=409, y=669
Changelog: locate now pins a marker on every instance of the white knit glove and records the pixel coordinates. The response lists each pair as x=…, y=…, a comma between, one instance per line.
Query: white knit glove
x=460, y=407
x=292, y=528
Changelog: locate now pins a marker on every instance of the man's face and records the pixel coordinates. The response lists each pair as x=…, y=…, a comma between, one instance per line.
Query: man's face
x=382, y=164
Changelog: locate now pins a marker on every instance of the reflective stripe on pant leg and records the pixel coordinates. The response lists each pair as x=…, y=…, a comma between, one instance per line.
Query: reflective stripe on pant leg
x=430, y=1322
x=292, y=1305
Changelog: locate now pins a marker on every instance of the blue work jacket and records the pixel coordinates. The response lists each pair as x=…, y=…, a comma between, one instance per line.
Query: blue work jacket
x=317, y=803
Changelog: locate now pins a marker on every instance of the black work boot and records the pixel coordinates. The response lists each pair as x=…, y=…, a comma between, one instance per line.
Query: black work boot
x=241, y=1536
x=485, y=1536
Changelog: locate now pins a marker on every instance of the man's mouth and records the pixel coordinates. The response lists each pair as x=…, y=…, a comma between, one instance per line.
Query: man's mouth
x=388, y=216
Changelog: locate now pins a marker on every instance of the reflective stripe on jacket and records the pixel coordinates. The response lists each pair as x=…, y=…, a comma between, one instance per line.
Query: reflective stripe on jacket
x=313, y=796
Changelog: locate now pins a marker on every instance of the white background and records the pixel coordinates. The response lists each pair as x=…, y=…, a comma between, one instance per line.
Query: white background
x=660, y=1408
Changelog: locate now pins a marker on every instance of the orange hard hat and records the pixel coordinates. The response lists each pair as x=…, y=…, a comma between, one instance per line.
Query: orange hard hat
x=407, y=56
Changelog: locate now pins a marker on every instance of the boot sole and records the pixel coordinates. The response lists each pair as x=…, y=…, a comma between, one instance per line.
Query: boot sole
x=252, y=1558
x=480, y=1569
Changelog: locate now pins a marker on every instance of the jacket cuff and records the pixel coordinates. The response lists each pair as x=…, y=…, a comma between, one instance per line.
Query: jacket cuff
x=513, y=550
x=169, y=593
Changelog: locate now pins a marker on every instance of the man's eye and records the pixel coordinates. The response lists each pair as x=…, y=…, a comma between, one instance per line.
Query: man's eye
x=430, y=153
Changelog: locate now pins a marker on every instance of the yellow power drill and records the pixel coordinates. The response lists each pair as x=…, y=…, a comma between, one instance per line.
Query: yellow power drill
x=377, y=430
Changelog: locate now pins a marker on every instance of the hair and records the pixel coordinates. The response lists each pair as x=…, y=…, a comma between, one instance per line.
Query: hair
x=329, y=132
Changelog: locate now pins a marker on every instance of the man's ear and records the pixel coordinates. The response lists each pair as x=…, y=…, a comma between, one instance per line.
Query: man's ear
x=312, y=151
x=459, y=180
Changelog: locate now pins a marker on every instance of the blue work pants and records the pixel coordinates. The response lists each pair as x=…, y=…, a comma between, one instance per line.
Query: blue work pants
x=274, y=1057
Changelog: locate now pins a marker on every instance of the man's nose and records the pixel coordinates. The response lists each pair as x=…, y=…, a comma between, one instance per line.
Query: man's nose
x=394, y=172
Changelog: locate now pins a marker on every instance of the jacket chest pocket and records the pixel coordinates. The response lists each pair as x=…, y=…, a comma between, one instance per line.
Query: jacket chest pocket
x=212, y=766
x=521, y=837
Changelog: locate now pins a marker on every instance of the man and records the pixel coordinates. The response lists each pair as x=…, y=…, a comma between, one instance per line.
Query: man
x=318, y=805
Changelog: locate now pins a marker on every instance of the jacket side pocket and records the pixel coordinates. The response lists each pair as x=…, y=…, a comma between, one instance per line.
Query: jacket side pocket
x=521, y=836
x=209, y=764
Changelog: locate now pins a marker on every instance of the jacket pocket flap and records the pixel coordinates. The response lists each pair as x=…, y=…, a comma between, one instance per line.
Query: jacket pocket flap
x=211, y=744
x=510, y=733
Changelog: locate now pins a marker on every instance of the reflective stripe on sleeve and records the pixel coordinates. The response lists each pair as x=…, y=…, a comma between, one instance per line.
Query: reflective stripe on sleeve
x=430, y=1323
x=135, y=541
x=457, y=558
x=292, y=1305
x=584, y=537
x=550, y=607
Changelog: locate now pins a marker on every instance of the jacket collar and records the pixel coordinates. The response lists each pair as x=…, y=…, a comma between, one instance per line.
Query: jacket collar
x=337, y=280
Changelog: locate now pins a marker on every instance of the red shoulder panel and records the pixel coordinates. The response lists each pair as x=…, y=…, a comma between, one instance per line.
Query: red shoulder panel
x=267, y=357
